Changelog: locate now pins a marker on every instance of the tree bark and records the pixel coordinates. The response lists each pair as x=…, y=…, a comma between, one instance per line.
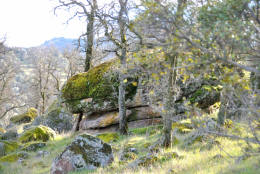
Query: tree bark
x=122, y=107
x=78, y=121
x=167, y=121
x=90, y=36
x=170, y=100
x=122, y=87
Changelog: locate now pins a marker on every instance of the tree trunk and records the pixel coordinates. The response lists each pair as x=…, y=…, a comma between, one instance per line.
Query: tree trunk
x=90, y=37
x=222, y=110
x=78, y=121
x=122, y=108
x=122, y=87
x=121, y=98
x=167, y=122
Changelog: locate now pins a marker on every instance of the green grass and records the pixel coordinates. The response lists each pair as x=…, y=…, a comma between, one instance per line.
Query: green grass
x=194, y=159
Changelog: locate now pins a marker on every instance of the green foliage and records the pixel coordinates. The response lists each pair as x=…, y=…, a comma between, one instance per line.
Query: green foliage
x=206, y=95
x=39, y=133
x=221, y=11
x=25, y=117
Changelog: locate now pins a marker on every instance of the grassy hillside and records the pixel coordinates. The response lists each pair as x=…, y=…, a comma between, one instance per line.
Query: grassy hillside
x=204, y=156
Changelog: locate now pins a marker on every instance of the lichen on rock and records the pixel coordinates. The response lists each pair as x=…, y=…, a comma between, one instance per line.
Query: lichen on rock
x=85, y=152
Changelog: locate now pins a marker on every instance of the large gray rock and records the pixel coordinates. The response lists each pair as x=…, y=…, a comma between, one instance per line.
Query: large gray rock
x=85, y=152
x=59, y=120
x=111, y=118
x=142, y=113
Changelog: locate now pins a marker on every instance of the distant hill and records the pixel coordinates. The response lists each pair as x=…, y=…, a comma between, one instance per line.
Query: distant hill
x=60, y=43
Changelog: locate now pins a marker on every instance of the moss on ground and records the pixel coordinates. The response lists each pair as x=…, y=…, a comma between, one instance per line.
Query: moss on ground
x=150, y=130
x=10, y=146
x=108, y=137
x=25, y=117
x=13, y=157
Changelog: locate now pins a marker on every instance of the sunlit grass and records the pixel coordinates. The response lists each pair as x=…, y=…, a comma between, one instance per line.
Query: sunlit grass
x=221, y=158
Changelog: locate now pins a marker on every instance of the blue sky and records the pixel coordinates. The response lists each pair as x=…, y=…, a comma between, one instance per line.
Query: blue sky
x=27, y=23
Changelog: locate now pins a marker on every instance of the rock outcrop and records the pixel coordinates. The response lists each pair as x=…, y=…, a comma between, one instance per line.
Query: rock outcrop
x=93, y=95
x=134, y=115
x=85, y=152
x=101, y=120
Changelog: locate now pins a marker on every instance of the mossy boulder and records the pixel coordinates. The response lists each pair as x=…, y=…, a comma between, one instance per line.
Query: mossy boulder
x=95, y=90
x=85, y=152
x=26, y=117
x=14, y=157
x=108, y=137
x=8, y=147
x=37, y=133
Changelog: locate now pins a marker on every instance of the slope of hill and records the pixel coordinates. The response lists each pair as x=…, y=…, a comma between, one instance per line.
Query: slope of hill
x=201, y=156
x=60, y=43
